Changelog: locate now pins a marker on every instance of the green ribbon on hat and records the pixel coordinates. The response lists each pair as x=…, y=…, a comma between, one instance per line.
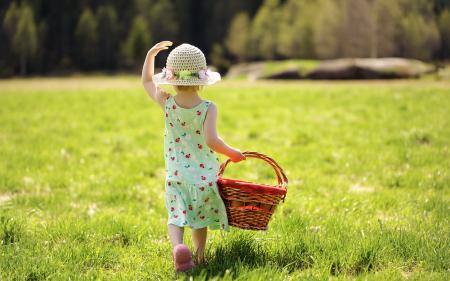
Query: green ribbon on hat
x=184, y=75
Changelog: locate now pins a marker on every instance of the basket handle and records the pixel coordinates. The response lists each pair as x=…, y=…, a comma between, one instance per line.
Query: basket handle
x=281, y=177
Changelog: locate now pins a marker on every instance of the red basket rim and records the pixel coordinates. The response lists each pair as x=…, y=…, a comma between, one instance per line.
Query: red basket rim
x=281, y=177
x=252, y=187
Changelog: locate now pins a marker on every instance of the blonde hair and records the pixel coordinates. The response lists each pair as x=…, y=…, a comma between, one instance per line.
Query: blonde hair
x=188, y=88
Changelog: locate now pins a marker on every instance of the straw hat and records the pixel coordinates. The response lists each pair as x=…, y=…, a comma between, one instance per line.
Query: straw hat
x=186, y=65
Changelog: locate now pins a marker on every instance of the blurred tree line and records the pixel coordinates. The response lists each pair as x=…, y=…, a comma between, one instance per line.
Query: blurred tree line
x=57, y=36
x=50, y=36
x=327, y=29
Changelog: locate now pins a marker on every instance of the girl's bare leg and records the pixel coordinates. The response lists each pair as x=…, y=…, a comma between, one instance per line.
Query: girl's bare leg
x=175, y=234
x=199, y=241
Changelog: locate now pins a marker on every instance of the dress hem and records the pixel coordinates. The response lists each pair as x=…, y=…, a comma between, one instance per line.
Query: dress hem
x=210, y=226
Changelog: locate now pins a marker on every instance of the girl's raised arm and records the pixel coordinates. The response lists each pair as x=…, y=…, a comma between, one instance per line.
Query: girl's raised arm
x=214, y=141
x=156, y=93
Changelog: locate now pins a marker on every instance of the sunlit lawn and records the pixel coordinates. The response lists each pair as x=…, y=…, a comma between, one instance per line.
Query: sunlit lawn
x=82, y=171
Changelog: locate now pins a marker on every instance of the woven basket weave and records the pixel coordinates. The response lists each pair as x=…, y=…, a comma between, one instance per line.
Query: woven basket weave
x=251, y=205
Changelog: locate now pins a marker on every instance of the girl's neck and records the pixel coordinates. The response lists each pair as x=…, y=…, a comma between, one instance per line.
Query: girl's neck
x=187, y=99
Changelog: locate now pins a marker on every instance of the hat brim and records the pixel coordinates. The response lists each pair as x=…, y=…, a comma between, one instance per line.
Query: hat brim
x=212, y=78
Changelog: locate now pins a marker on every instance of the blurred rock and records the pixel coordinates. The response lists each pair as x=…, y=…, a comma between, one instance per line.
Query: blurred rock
x=367, y=68
x=284, y=74
x=349, y=68
x=443, y=72
x=250, y=70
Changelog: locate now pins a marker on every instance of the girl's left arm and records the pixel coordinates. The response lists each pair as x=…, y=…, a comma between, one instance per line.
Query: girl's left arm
x=156, y=93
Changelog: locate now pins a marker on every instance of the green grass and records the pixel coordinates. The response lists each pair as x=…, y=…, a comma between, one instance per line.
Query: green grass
x=82, y=171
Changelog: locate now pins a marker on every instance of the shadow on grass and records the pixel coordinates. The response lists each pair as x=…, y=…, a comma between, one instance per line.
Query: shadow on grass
x=245, y=252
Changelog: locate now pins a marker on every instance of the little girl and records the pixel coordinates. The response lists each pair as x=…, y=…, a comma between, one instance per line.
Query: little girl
x=190, y=139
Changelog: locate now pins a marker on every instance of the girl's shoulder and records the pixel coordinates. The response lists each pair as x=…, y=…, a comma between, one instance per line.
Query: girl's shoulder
x=208, y=103
x=211, y=108
x=211, y=104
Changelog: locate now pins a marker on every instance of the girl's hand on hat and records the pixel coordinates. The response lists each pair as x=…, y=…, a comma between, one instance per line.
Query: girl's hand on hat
x=237, y=156
x=163, y=45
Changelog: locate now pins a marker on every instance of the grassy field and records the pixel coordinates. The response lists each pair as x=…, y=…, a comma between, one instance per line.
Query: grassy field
x=82, y=171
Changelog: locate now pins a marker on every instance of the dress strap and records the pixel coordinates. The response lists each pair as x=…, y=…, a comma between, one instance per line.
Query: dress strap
x=204, y=111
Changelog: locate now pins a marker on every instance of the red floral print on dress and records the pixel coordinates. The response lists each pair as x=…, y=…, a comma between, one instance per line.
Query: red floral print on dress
x=196, y=157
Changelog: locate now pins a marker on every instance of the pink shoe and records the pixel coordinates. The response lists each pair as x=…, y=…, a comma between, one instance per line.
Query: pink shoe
x=182, y=258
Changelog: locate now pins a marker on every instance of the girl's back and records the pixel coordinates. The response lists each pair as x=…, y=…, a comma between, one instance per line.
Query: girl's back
x=192, y=196
x=188, y=158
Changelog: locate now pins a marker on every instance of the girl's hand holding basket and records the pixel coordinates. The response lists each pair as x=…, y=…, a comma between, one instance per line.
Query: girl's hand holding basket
x=251, y=205
x=237, y=156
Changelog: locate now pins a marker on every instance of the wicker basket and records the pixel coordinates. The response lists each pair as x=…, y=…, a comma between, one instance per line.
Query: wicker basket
x=251, y=205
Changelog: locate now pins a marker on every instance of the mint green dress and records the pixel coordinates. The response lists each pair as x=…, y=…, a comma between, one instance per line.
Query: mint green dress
x=191, y=193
